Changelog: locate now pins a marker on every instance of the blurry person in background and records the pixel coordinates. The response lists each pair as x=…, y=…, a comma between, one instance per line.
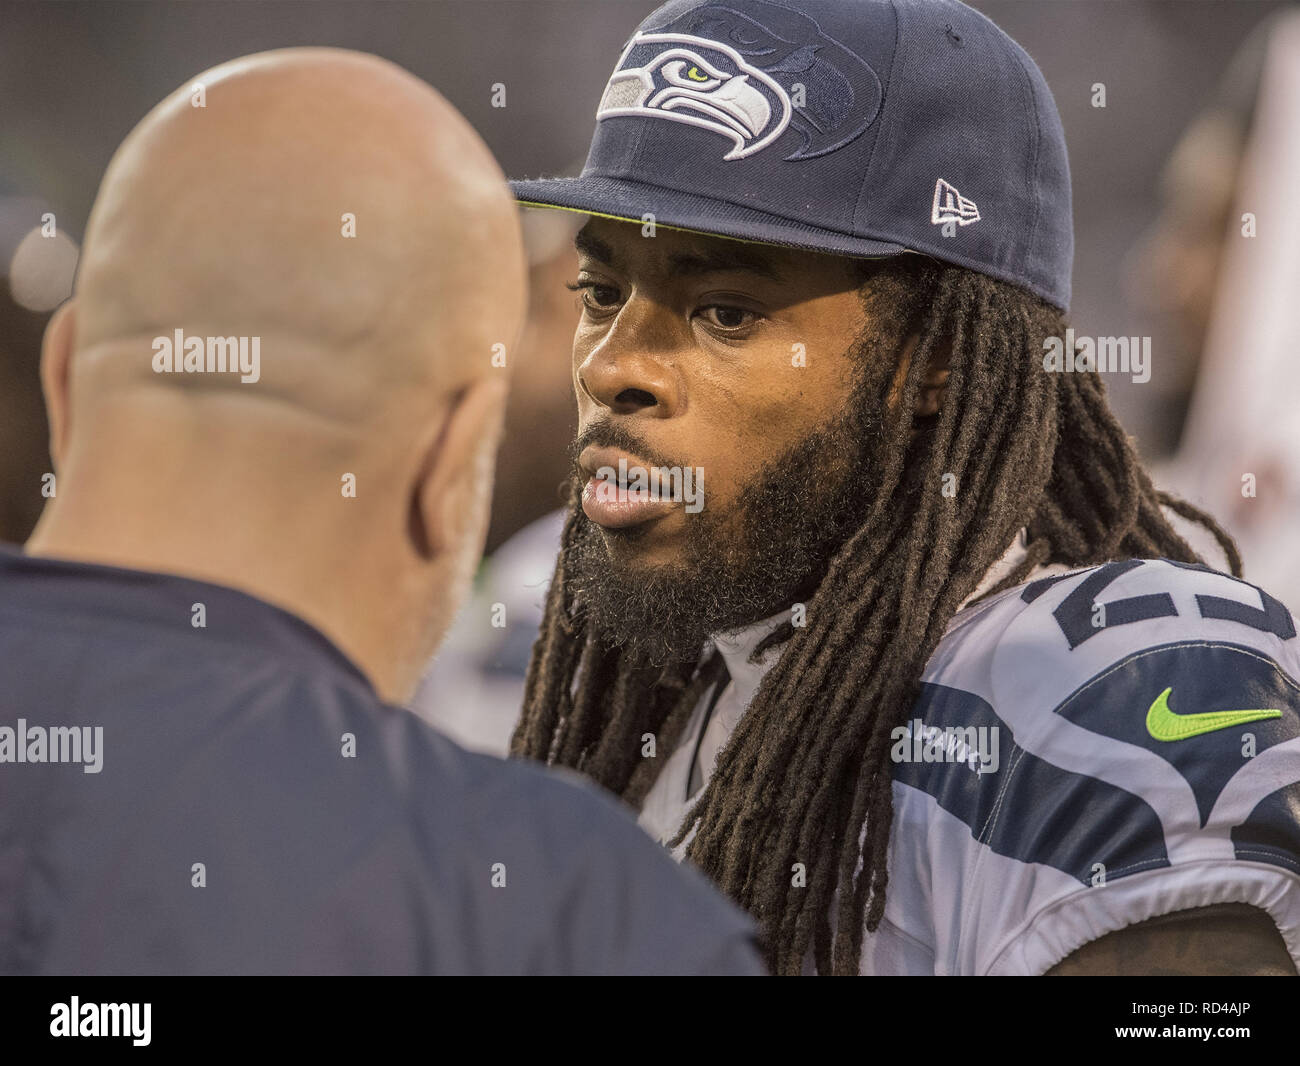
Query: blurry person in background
x=1222, y=262
x=541, y=416
x=247, y=565
x=475, y=685
x=1173, y=271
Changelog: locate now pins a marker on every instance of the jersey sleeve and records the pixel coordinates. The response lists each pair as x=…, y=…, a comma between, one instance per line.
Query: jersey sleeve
x=1146, y=761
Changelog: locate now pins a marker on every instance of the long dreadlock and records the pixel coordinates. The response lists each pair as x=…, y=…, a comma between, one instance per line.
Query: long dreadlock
x=806, y=775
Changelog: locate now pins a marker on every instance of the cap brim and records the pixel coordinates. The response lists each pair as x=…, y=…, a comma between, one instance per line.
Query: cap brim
x=631, y=201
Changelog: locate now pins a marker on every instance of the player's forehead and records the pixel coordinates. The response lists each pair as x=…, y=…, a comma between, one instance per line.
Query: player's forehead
x=628, y=248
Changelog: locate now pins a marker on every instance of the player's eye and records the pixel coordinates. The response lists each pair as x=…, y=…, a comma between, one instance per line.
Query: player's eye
x=595, y=296
x=728, y=319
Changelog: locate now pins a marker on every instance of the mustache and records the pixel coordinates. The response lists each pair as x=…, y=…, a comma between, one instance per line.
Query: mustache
x=609, y=434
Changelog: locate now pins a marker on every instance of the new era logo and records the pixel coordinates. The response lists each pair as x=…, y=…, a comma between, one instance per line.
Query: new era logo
x=952, y=206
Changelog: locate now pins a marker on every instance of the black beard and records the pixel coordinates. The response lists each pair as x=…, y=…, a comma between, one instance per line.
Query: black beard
x=769, y=550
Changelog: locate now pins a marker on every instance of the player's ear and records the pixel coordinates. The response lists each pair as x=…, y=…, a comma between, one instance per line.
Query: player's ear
x=56, y=354
x=934, y=386
x=451, y=499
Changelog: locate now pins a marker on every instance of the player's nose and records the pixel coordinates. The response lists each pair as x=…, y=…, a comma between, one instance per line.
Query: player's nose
x=634, y=368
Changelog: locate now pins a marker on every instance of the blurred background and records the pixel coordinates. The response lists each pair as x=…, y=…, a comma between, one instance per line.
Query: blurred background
x=1201, y=125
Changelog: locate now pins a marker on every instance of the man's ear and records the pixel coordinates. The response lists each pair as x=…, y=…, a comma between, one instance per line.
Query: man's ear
x=56, y=354
x=451, y=502
x=934, y=386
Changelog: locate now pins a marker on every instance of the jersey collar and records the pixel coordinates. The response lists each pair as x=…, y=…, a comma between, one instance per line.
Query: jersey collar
x=737, y=645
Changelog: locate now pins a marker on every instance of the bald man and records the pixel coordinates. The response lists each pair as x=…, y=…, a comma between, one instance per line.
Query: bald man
x=273, y=410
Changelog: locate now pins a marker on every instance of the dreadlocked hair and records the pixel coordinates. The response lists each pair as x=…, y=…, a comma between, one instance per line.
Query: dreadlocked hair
x=805, y=778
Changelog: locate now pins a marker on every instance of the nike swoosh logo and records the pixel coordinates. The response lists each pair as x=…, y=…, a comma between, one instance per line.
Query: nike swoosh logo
x=1164, y=724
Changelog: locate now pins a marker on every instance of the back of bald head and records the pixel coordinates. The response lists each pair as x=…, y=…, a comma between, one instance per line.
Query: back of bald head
x=325, y=202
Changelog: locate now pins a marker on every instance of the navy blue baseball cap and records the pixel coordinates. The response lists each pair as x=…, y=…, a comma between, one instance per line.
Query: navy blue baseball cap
x=856, y=127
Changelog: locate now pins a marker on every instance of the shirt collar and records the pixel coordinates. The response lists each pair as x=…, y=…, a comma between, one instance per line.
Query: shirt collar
x=1011, y=558
x=737, y=645
x=73, y=590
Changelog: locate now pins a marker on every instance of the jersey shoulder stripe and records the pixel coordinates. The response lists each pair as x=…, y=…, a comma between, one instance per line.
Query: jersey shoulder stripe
x=1087, y=751
x=1015, y=803
x=1158, y=700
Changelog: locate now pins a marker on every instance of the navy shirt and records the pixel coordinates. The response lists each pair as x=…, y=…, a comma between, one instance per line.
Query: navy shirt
x=235, y=798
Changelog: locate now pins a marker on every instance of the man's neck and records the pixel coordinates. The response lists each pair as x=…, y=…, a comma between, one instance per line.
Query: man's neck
x=294, y=571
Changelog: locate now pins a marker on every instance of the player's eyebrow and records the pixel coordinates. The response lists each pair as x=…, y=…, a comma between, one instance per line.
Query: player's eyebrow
x=594, y=248
x=713, y=261
x=723, y=259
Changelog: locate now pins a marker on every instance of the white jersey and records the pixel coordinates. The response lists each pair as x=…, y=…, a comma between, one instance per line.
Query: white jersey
x=1090, y=749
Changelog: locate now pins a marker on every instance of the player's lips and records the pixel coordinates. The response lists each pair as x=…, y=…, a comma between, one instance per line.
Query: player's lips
x=612, y=503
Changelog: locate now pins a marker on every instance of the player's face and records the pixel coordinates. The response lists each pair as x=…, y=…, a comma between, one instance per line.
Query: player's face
x=701, y=354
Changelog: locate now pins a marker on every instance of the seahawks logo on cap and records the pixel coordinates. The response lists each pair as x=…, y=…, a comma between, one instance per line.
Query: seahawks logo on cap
x=701, y=83
x=746, y=81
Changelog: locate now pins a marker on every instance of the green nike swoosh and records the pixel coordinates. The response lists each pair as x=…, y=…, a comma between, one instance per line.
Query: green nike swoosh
x=1164, y=724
